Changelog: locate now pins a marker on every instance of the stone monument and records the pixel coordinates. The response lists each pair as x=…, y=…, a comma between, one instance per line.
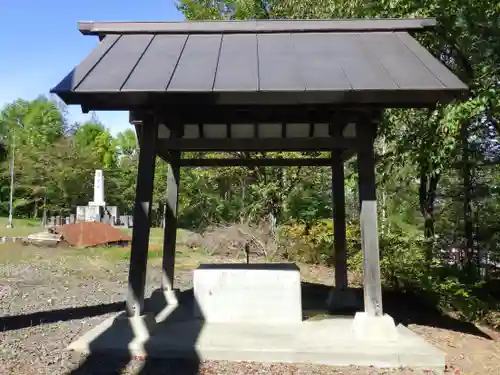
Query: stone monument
x=98, y=190
x=97, y=210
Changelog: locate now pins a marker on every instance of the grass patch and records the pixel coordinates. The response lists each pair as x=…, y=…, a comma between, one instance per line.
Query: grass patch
x=183, y=256
x=15, y=253
x=111, y=253
x=156, y=235
x=22, y=227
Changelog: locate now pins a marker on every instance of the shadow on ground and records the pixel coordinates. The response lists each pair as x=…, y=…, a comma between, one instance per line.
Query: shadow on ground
x=10, y=323
x=121, y=361
x=405, y=308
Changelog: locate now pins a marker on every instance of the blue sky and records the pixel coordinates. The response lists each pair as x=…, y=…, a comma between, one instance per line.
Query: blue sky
x=40, y=43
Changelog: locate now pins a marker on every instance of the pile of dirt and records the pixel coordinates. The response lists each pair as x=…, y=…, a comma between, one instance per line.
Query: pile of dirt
x=189, y=239
x=88, y=234
x=232, y=240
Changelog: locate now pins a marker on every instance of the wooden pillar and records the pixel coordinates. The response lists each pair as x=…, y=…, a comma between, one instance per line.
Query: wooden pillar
x=142, y=217
x=170, y=229
x=368, y=222
x=339, y=224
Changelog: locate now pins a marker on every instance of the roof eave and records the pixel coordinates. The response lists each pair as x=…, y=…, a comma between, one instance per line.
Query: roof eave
x=119, y=101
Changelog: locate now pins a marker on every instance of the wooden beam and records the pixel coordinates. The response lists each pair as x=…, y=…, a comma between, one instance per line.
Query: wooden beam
x=339, y=222
x=347, y=154
x=254, y=144
x=215, y=103
x=237, y=114
x=226, y=162
x=311, y=129
x=142, y=217
x=136, y=119
x=138, y=133
x=368, y=223
x=170, y=230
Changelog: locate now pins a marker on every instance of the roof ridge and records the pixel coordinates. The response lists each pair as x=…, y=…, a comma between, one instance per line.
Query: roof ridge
x=256, y=26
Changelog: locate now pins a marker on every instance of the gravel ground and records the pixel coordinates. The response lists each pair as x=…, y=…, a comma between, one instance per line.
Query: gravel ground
x=41, y=280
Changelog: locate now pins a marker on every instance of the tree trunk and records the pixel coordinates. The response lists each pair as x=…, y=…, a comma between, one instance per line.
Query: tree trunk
x=467, y=188
x=427, y=197
x=384, y=222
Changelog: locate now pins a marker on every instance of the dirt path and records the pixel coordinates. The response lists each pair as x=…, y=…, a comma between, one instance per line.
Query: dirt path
x=50, y=296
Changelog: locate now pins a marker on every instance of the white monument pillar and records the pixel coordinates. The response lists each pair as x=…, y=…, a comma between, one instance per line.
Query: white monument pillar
x=98, y=189
x=97, y=210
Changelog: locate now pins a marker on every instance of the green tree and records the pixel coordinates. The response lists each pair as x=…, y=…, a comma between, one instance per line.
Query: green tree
x=127, y=143
x=27, y=126
x=33, y=123
x=87, y=133
x=95, y=138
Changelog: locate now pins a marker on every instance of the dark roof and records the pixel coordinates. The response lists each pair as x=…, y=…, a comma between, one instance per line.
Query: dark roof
x=259, y=62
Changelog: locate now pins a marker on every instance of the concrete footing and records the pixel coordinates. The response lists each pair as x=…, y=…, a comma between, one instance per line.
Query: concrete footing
x=233, y=314
x=328, y=342
x=374, y=328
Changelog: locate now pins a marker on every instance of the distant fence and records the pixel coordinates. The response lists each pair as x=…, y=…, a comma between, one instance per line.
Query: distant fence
x=121, y=221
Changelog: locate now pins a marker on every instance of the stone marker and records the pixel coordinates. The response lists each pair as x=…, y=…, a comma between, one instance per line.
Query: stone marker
x=92, y=213
x=123, y=220
x=106, y=218
x=81, y=213
x=129, y=221
x=113, y=213
x=248, y=293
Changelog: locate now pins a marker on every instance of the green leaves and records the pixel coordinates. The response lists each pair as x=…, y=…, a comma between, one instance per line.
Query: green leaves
x=93, y=137
x=126, y=143
x=31, y=123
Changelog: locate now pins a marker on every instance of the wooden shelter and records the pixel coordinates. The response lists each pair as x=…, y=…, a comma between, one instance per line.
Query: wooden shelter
x=275, y=85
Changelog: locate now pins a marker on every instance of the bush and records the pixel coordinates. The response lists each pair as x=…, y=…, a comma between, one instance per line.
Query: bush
x=452, y=295
x=403, y=267
x=313, y=243
x=402, y=260
x=295, y=244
